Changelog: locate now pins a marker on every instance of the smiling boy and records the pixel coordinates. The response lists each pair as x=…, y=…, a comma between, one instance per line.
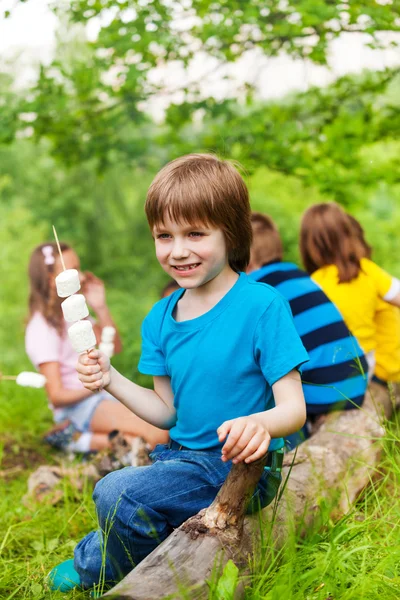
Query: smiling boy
x=225, y=359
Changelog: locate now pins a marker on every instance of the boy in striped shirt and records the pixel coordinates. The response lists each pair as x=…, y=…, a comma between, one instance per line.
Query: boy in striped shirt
x=335, y=378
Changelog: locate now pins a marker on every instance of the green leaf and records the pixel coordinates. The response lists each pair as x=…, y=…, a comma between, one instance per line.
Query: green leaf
x=228, y=581
x=36, y=589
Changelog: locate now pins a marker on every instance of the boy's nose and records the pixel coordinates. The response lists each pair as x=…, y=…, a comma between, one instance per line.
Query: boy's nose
x=179, y=250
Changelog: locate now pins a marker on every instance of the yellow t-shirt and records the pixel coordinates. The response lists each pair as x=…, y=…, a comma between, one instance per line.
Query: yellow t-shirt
x=387, y=354
x=358, y=299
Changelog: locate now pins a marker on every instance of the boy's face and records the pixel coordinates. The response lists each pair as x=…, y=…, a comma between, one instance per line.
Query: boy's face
x=193, y=256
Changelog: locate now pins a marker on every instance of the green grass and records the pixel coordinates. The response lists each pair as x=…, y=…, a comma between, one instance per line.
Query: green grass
x=357, y=557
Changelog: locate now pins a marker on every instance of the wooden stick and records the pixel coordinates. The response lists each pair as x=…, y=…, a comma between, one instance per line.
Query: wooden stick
x=59, y=249
x=8, y=377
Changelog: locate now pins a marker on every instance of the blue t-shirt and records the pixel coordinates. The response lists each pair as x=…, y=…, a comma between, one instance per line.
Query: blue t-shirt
x=336, y=374
x=222, y=364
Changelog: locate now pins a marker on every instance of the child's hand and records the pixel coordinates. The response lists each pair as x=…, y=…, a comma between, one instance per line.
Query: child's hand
x=248, y=440
x=94, y=291
x=94, y=370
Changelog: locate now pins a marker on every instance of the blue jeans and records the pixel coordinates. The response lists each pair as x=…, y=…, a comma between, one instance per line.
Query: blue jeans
x=139, y=507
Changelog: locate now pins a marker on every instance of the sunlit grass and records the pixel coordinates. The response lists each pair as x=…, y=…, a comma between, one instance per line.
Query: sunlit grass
x=356, y=557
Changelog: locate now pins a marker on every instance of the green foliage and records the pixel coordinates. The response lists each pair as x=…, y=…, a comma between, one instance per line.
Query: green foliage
x=227, y=583
x=18, y=234
x=325, y=136
x=225, y=30
x=9, y=110
x=78, y=151
x=90, y=101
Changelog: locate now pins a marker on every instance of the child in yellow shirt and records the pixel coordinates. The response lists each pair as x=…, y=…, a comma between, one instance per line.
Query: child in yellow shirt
x=387, y=322
x=334, y=254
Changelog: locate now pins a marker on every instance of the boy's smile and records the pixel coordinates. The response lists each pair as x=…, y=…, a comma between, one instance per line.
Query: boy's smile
x=186, y=268
x=192, y=255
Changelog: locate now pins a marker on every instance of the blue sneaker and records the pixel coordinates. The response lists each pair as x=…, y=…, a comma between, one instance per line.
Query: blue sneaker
x=64, y=577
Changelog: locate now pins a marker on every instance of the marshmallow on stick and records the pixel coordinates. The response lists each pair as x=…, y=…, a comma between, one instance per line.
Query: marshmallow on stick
x=108, y=334
x=67, y=283
x=82, y=336
x=107, y=348
x=26, y=379
x=107, y=341
x=74, y=307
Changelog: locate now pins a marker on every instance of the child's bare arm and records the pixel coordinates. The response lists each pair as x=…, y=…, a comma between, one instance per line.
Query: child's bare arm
x=395, y=301
x=249, y=437
x=56, y=393
x=154, y=406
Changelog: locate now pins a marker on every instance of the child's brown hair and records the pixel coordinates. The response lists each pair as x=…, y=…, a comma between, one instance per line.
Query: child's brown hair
x=267, y=243
x=359, y=231
x=327, y=237
x=203, y=189
x=42, y=296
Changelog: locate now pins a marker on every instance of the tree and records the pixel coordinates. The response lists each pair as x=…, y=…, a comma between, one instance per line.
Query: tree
x=93, y=105
x=324, y=135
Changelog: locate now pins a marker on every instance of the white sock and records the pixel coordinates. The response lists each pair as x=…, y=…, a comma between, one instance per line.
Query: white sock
x=82, y=444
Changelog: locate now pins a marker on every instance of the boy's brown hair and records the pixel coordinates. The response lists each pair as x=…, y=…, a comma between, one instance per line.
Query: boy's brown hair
x=327, y=237
x=267, y=244
x=42, y=296
x=203, y=189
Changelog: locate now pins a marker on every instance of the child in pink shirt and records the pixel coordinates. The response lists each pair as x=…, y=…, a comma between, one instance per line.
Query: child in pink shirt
x=87, y=418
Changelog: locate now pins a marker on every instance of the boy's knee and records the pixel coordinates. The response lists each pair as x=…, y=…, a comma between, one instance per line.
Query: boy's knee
x=108, y=491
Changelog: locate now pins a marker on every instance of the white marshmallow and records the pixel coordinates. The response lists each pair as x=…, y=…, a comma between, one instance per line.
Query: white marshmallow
x=75, y=308
x=108, y=334
x=67, y=283
x=107, y=348
x=82, y=336
x=28, y=379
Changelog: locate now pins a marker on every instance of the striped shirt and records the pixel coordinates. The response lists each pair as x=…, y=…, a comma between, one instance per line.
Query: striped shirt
x=336, y=375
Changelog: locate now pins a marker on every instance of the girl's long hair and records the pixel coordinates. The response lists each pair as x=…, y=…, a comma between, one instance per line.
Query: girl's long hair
x=43, y=297
x=328, y=237
x=359, y=231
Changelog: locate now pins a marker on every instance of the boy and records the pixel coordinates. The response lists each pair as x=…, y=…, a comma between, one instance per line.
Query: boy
x=335, y=376
x=224, y=355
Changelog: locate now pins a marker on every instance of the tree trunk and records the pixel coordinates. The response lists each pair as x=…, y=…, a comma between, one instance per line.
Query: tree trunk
x=335, y=463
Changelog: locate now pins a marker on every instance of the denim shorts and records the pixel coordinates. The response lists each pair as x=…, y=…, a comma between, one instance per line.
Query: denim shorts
x=81, y=413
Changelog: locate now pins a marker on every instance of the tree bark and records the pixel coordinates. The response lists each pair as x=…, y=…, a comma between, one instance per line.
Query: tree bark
x=334, y=464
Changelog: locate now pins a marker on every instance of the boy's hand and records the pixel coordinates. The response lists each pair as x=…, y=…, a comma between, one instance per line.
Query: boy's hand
x=248, y=440
x=94, y=370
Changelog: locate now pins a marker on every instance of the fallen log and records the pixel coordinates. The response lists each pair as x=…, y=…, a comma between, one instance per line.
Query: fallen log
x=336, y=463
x=188, y=556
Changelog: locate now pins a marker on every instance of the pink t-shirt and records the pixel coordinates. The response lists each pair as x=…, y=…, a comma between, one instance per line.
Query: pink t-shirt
x=44, y=344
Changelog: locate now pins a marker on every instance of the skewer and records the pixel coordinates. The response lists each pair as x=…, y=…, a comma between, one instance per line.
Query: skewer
x=63, y=265
x=26, y=379
x=59, y=249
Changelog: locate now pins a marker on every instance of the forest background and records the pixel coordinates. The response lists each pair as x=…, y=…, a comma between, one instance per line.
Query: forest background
x=78, y=149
